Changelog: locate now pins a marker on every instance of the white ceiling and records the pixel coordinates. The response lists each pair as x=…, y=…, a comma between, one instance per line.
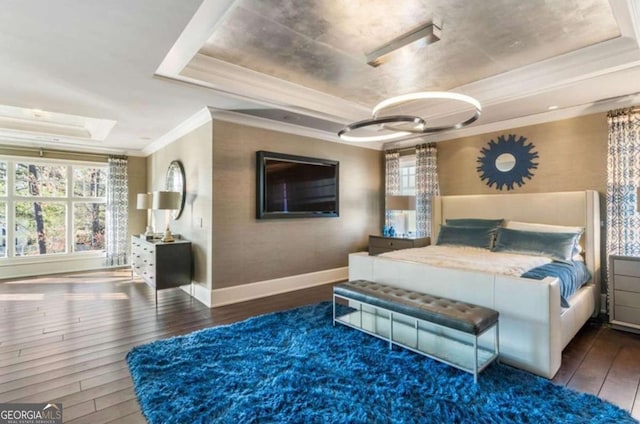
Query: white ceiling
x=150, y=65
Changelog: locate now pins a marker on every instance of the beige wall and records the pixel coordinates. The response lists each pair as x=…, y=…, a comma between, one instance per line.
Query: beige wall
x=194, y=150
x=573, y=156
x=246, y=249
x=137, y=176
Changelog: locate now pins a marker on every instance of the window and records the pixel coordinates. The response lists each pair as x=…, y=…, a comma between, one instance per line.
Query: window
x=408, y=187
x=51, y=207
x=408, y=178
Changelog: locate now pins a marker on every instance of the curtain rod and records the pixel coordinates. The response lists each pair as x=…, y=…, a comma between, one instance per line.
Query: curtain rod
x=406, y=149
x=41, y=152
x=623, y=111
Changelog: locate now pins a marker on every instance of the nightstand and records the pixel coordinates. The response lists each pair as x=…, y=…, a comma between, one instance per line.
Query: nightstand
x=624, y=293
x=381, y=244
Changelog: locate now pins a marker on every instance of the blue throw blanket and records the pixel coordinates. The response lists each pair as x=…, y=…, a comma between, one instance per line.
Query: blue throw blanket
x=572, y=276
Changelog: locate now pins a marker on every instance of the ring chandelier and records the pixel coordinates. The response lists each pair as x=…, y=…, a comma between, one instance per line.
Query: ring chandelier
x=391, y=124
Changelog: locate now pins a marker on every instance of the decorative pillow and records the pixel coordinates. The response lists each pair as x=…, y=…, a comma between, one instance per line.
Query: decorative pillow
x=558, y=246
x=547, y=228
x=475, y=222
x=466, y=236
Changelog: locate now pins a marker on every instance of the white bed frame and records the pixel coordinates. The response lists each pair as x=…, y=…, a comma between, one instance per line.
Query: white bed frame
x=534, y=329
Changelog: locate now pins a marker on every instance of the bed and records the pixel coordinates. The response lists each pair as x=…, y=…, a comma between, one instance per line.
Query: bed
x=534, y=328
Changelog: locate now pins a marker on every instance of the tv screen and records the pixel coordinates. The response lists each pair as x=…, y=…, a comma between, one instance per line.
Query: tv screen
x=295, y=186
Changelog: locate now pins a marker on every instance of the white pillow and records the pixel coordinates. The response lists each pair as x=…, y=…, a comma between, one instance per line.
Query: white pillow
x=548, y=228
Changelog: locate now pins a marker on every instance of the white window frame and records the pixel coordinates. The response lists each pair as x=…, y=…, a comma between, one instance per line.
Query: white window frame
x=11, y=198
x=408, y=161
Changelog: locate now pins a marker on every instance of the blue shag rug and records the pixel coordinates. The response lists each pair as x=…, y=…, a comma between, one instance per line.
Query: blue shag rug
x=295, y=367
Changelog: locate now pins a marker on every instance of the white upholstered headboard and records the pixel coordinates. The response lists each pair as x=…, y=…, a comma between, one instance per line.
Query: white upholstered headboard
x=574, y=208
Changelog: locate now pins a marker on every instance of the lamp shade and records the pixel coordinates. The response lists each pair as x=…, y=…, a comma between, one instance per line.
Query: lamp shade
x=143, y=201
x=166, y=200
x=400, y=203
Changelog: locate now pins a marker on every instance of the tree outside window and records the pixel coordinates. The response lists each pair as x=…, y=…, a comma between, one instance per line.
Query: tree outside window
x=89, y=216
x=56, y=208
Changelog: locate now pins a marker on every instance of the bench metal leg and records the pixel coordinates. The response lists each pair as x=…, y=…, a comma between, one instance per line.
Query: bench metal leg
x=497, y=342
x=475, y=359
x=390, y=330
x=334, y=310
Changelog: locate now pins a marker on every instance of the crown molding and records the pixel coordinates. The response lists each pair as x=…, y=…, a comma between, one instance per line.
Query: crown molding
x=247, y=84
x=62, y=143
x=195, y=121
x=627, y=15
x=269, y=124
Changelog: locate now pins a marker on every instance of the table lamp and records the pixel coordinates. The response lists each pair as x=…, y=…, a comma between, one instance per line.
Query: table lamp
x=167, y=201
x=143, y=201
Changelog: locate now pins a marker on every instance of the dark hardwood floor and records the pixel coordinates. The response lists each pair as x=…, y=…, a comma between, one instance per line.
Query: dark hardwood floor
x=64, y=339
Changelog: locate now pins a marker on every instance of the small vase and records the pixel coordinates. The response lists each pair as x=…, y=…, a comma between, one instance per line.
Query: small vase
x=392, y=231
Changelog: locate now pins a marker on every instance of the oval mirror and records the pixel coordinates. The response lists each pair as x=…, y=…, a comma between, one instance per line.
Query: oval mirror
x=505, y=162
x=175, y=182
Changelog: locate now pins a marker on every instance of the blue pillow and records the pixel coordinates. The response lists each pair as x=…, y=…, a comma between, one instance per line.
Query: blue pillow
x=475, y=222
x=558, y=246
x=466, y=236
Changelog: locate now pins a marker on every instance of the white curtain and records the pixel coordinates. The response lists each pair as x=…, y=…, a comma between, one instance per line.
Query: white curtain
x=426, y=187
x=392, y=182
x=117, y=231
x=623, y=179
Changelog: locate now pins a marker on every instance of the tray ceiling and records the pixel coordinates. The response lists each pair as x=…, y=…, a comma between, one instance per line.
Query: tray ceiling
x=520, y=59
x=321, y=44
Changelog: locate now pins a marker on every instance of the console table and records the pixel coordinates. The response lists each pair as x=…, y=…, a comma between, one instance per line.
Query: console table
x=161, y=265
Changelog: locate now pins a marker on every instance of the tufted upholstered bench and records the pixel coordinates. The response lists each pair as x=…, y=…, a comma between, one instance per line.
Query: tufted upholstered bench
x=384, y=304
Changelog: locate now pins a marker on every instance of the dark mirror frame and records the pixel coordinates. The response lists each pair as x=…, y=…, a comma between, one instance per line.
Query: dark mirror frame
x=176, y=182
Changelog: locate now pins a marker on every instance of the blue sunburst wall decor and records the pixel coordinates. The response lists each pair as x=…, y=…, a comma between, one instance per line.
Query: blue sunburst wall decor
x=524, y=162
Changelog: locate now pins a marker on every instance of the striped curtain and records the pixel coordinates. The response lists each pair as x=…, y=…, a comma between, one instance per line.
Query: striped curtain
x=117, y=231
x=623, y=180
x=392, y=182
x=426, y=186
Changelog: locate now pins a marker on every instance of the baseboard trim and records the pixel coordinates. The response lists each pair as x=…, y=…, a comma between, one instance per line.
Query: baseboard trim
x=199, y=292
x=46, y=266
x=244, y=292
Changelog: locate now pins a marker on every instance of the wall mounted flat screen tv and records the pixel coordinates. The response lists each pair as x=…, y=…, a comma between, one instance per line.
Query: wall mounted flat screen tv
x=295, y=186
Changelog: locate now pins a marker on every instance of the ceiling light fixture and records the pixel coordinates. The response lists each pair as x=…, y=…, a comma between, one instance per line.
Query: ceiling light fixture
x=380, y=123
x=395, y=126
x=426, y=34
